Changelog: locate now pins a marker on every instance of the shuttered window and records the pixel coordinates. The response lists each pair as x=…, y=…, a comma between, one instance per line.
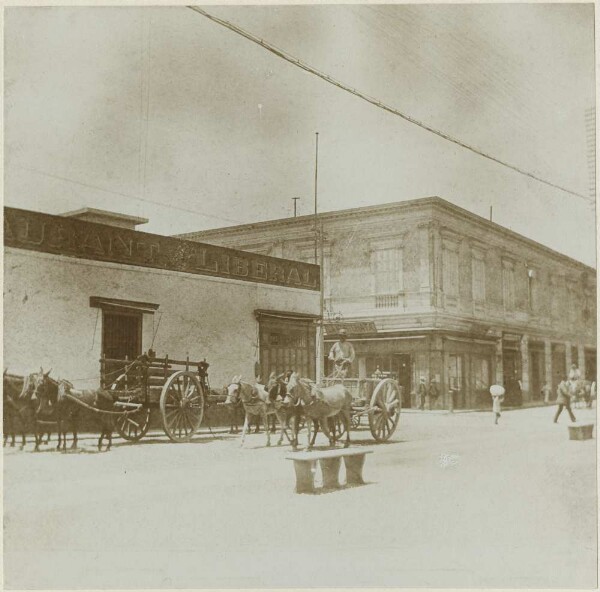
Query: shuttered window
x=450, y=272
x=508, y=286
x=387, y=265
x=478, y=273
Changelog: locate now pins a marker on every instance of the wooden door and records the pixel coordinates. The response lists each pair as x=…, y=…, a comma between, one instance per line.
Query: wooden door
x=287, y=345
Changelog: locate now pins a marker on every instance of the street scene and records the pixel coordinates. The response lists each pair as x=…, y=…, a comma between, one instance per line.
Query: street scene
x=450, y=501
x=300, y=296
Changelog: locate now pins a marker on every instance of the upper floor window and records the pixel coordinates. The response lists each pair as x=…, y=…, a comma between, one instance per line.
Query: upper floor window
x=387, y=265
x=508, y=285
x=450, y=271
x=478, y=274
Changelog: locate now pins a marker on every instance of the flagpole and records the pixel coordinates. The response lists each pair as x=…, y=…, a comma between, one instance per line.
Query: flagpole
x=318, y=242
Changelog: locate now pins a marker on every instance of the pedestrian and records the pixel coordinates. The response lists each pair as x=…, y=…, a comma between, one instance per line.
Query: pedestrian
x=563, y=400
x=422, y=393
x=342, y=355
x=546, y=392
x=574, y=373
x=497, y=391
x=434, y=393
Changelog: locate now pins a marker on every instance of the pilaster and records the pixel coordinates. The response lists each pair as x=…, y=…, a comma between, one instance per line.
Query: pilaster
x=524, y=347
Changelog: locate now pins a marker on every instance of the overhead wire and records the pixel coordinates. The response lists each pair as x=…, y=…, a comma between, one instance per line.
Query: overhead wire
x=297, y=62
x=145, y=199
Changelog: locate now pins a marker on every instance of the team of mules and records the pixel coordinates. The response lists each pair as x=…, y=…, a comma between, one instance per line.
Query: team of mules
x=36, y=403
x=292, y=399
x=39, y=404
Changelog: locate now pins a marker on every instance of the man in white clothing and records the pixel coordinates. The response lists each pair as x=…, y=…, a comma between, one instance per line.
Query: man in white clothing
x=342, y=355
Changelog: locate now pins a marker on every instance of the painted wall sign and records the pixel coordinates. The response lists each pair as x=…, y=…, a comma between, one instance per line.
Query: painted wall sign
x=351, y=328
x=34, y=231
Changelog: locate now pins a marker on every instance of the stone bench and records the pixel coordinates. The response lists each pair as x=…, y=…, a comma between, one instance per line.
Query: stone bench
x=581, y=432
x=305, y=465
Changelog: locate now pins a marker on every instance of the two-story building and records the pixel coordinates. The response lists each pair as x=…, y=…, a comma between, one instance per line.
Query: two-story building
x=427, y=290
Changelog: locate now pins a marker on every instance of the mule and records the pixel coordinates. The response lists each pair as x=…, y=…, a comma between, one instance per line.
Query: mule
x=277, y=388
x=255, y=401
x=98, y=399
x=49, y=408
x=319, y=405
x=16, y=410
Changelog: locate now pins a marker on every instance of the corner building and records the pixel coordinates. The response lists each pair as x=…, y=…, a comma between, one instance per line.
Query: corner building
x=426, y=289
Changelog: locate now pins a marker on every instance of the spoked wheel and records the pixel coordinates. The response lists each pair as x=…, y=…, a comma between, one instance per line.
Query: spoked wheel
x=384, y=412
x=132, y=426
x=182, y=406
x=355, y=420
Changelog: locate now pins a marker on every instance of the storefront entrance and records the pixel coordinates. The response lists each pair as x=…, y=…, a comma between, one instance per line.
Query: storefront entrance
x=286, y=344
x=396, y=366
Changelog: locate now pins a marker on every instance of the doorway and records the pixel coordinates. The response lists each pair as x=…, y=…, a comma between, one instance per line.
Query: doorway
x=396, y=366
x=456, y=382
x=536, y=374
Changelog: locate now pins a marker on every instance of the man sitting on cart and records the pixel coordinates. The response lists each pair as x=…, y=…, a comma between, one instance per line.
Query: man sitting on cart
x=342, y=354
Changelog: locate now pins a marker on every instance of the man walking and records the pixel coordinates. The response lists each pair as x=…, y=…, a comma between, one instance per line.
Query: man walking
x=564, y=401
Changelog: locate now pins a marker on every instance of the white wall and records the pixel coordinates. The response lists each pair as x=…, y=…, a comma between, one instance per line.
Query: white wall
x=48, y=320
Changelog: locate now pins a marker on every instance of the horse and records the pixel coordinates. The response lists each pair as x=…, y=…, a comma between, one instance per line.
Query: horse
x=256, y=401
x=52, y=409
x=98, y=399
x=15, y=409
x=320, y=404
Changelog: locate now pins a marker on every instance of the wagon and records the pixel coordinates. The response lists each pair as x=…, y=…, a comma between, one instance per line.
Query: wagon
x=377, y=399
x=177, y=389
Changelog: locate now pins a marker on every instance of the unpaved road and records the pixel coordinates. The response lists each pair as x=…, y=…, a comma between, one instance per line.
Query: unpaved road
x=454, y=501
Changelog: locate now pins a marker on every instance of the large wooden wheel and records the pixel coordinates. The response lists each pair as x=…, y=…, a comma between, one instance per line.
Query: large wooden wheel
x=384, y=412
x=132, y=426
x=182, y=406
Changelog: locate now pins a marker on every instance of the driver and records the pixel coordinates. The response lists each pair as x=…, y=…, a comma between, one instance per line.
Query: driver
x=342, y=354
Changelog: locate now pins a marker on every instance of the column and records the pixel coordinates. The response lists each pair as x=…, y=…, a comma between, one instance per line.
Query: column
x=548, y=362
x=499, y=364
x=362, y=367
x=436, y=264
x=568, y=357
x=581, y=359
x=525, y=368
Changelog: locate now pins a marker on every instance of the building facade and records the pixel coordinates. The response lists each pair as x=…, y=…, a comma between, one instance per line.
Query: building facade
x=429, y=291
x=77, y=290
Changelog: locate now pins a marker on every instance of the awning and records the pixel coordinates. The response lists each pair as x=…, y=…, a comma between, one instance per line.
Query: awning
x=123, y=305
x=289, y=316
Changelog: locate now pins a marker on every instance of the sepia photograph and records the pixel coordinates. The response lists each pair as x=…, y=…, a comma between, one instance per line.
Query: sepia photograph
x=300, y=296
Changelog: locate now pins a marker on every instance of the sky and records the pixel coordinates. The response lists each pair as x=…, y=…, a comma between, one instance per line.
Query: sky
x=159, y=112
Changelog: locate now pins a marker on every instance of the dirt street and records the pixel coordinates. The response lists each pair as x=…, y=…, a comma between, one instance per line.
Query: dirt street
x=453, y=501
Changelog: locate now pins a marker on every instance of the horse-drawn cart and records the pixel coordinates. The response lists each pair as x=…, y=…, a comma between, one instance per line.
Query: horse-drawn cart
x=378, y=399
x=178, y=389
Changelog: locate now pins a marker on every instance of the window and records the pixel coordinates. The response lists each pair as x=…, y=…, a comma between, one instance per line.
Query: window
x=508, y=285
x=388, y=271
x=557, y=288
x=121, y=335
x=450, y=272
x=478, y=274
